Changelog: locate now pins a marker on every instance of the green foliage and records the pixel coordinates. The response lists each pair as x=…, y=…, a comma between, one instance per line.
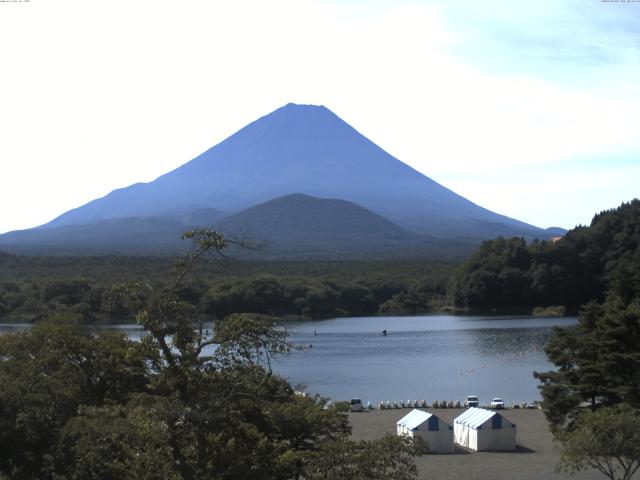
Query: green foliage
x=46, y=375
x=251, y=340
x=97, y=289
x=493, y=276
x=115, y=441
x=508, y=274
x=598, y=360
x=182, y=403
x=607, y=440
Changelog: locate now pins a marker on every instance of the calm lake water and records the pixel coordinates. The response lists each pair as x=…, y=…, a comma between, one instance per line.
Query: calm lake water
x=433, y=357
x=436, y=357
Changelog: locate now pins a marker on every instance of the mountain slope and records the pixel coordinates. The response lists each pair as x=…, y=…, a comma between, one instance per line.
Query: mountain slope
x=299, y=225
x=303, y=216
x=293, y=226
x=308, y=149
x=138, y=235
x=119, y=235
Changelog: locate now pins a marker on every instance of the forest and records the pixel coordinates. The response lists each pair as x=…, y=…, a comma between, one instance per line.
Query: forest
x=592, y=396
x=94, y=289
x=570, y=272
x=505, y=275
x=78, y=405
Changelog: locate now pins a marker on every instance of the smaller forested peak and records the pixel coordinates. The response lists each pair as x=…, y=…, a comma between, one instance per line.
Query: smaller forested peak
x=296, y=196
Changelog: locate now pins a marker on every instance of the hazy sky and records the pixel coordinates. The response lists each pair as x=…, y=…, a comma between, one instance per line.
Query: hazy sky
x=528, y=108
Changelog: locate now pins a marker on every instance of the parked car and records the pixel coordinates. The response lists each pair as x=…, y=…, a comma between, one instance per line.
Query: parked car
x=356, y=405
x=472, y=401
x=497, y=403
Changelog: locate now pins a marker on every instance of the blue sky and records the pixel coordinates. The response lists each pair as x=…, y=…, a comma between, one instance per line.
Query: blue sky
x=528, y=108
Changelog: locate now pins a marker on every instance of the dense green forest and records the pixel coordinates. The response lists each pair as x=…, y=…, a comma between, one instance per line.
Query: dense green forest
x=509, y=273
x=503, y=275
x=95, y=288
x=592, y=396
x=82, y=405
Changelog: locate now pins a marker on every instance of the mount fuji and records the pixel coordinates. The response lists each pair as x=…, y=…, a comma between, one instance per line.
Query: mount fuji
x=297, y=149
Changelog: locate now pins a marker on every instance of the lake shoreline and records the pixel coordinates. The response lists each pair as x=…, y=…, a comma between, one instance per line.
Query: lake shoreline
x=541, y=312
x=432, y=357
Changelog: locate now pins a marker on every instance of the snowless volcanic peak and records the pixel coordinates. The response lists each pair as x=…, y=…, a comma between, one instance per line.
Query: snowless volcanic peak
x=303, y=149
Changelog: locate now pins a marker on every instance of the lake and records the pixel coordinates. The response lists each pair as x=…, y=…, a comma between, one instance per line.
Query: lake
x=432, y=357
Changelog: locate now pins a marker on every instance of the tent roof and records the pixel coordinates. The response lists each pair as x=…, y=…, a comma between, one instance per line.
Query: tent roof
x=414, y=419
x=474, y=417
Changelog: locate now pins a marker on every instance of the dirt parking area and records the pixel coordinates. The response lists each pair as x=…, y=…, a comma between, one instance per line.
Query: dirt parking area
x=535, y=458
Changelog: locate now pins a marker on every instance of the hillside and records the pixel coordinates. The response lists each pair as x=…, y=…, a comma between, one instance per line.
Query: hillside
x=126, y=235
x=303, y=216
x=131, y=235
x=294, y=226
x=577, y=269
x=299, y=225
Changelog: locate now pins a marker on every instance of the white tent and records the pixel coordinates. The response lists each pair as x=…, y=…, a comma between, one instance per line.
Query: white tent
x=480, y=429
x=437, y=434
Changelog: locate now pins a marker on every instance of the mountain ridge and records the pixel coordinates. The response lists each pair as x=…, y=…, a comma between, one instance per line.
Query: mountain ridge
x=304, y=149
x=292, y=226
x=297, y=154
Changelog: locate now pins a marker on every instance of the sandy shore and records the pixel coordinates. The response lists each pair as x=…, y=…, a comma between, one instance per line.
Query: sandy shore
x=536, y=456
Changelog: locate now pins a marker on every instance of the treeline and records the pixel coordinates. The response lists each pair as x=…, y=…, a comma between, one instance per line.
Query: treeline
x=97, y=289
x=76, y=404
x=592, y=396
x=503, y=275
x=506, y=274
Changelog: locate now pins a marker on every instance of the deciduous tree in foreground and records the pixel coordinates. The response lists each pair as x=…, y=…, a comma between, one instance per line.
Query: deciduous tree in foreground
x=607, y=440
x=185, y=402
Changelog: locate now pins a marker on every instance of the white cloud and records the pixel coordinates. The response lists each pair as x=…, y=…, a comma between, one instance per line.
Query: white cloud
x=565, y=196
